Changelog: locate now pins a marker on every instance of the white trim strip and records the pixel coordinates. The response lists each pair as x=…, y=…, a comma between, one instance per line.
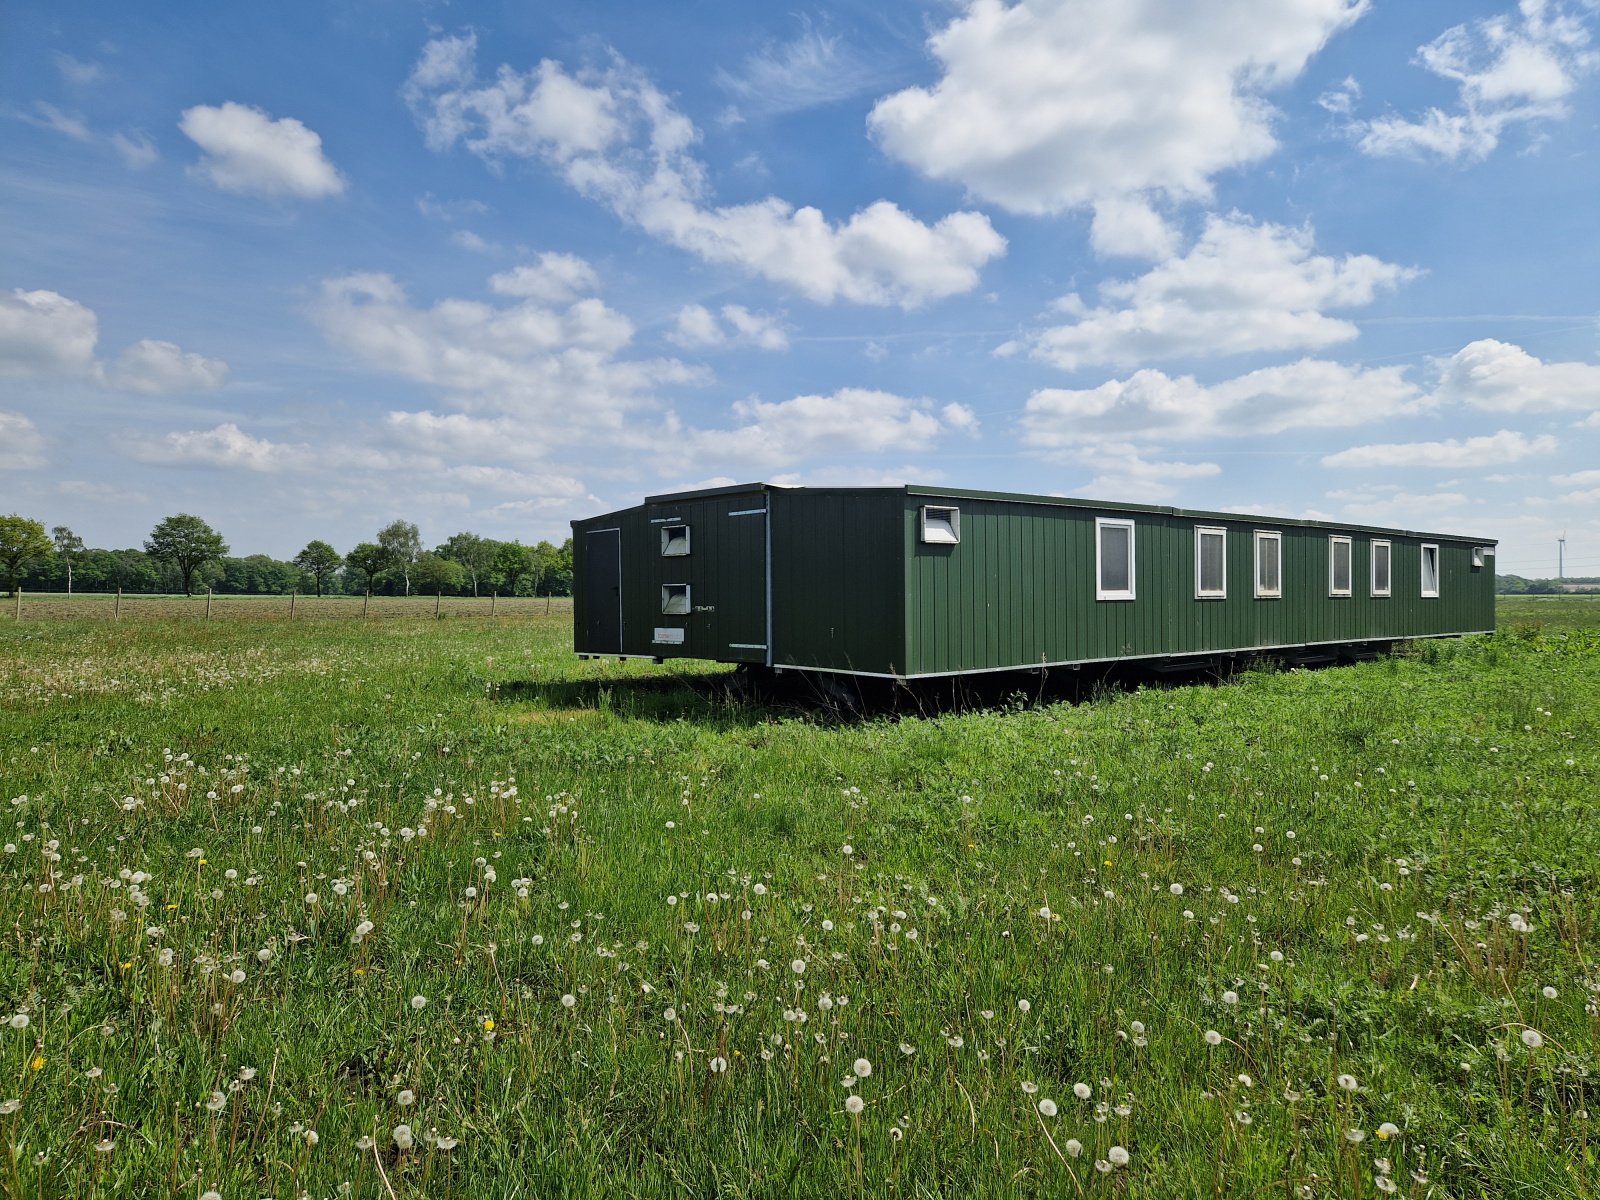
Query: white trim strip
x=746, y=646
x=748, y=512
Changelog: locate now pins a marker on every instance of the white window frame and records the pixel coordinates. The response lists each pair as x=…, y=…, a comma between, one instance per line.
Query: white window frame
x=1335, y=540
x=1100, y=523
x=1426, y=594
x=1480, y=556
x=1372, y=568
x=666, y=540
x=1263, y=536
x=937, y=537
x=688, y=601
x=1201, y=592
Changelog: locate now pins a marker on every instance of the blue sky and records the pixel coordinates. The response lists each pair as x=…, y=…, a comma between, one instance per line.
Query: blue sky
x=305, y=269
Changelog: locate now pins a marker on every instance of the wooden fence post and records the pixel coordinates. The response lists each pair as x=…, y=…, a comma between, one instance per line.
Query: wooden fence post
x=493, y=599
x=291, y=606
x=19, y=602
x=116, y=608
x=438, y=599
x=208, y=604
x=365, y=600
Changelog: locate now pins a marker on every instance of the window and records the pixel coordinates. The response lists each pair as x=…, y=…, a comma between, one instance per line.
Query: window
x=1380, y=568
x=675, y=599
x=1430, y=570
x=1113, y=558
x=1480, y=555
x=941, y=526
x=674, y=541
x=1269, y=565
x=1210, y=563
x=1338, y=566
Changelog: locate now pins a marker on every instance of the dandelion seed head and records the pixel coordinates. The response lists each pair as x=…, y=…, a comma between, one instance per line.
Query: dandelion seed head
x=1118, y=1156
x=1047, y=1107
x=1213, y=1038
x=1347, y=1082
x=1532, y=1039
x=862, y=1067
x=406, y=1098
x=1388, y=1130
x=419, y=1002
x=854, y=1105
x=1082, y=1091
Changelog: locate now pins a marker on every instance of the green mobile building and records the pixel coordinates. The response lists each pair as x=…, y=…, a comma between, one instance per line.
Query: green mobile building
x=912, y=582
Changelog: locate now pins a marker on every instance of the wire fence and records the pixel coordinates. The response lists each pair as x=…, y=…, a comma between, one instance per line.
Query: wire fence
x=208, y=606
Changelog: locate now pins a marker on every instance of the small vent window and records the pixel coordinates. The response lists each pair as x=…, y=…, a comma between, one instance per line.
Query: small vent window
x=1269, y=565
x=674, y=541
x=1211, y=563
x=941, y=526
x=675, y=599
x=1338, y=566
x=1381, y=555
x=1430, y=570
x=1480, y=555
x=1114, y=559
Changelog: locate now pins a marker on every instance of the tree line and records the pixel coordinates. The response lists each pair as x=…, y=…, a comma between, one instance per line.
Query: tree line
x=185, y=554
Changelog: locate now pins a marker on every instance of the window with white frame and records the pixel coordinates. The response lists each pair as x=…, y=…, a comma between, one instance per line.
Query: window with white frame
x=1113, y=558
x=1430, y=569
x=1269, y=565
x=1480, y=555
x=1381, y=558
x=941, y=526
x=1210, y=563
x=1338, y=566
x=674, y=541
x=675, y=599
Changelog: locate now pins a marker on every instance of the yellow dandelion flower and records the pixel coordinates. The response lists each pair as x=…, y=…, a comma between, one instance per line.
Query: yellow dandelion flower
x=171, y=907
x=488, y=1024
x=125, y=966
x=38, y=1063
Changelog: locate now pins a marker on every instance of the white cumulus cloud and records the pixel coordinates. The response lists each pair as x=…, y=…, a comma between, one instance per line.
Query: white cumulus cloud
x=1508, y=69
x=1151, y=405
x=1501, y=377
x=848, y=421
x=1491, y=450
x=616, y=138
x=697, y=327
x=1046, y=105
x=246, y=150
x=44, y=334
x=555, y=278
x=1243, y=287
x=156, y=368
x=224, y=446
x=21, y=443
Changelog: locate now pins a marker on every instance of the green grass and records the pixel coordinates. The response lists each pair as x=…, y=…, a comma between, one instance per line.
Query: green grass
x=1385, y=865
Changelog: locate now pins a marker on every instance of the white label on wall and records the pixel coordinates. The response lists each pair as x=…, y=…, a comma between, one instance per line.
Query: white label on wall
x=669, y=637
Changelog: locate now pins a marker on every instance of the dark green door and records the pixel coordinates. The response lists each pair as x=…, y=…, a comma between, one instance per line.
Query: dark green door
x=602, y=586
x=739, y=589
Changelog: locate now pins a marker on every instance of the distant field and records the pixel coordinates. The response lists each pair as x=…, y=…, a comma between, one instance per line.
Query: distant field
x=56, y=606
x=431, y=908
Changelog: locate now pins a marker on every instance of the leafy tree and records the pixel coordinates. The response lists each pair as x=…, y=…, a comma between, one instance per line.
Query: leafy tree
x=318, y=560
x=437, y=574
x=401, y=543
x=511, y=563
x=22, y=539
x=185, y=542
x=370, y=559
x=475, y=554
x=68, y=545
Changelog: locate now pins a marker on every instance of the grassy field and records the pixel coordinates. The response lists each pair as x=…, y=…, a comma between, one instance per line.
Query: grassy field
x=424, y=907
